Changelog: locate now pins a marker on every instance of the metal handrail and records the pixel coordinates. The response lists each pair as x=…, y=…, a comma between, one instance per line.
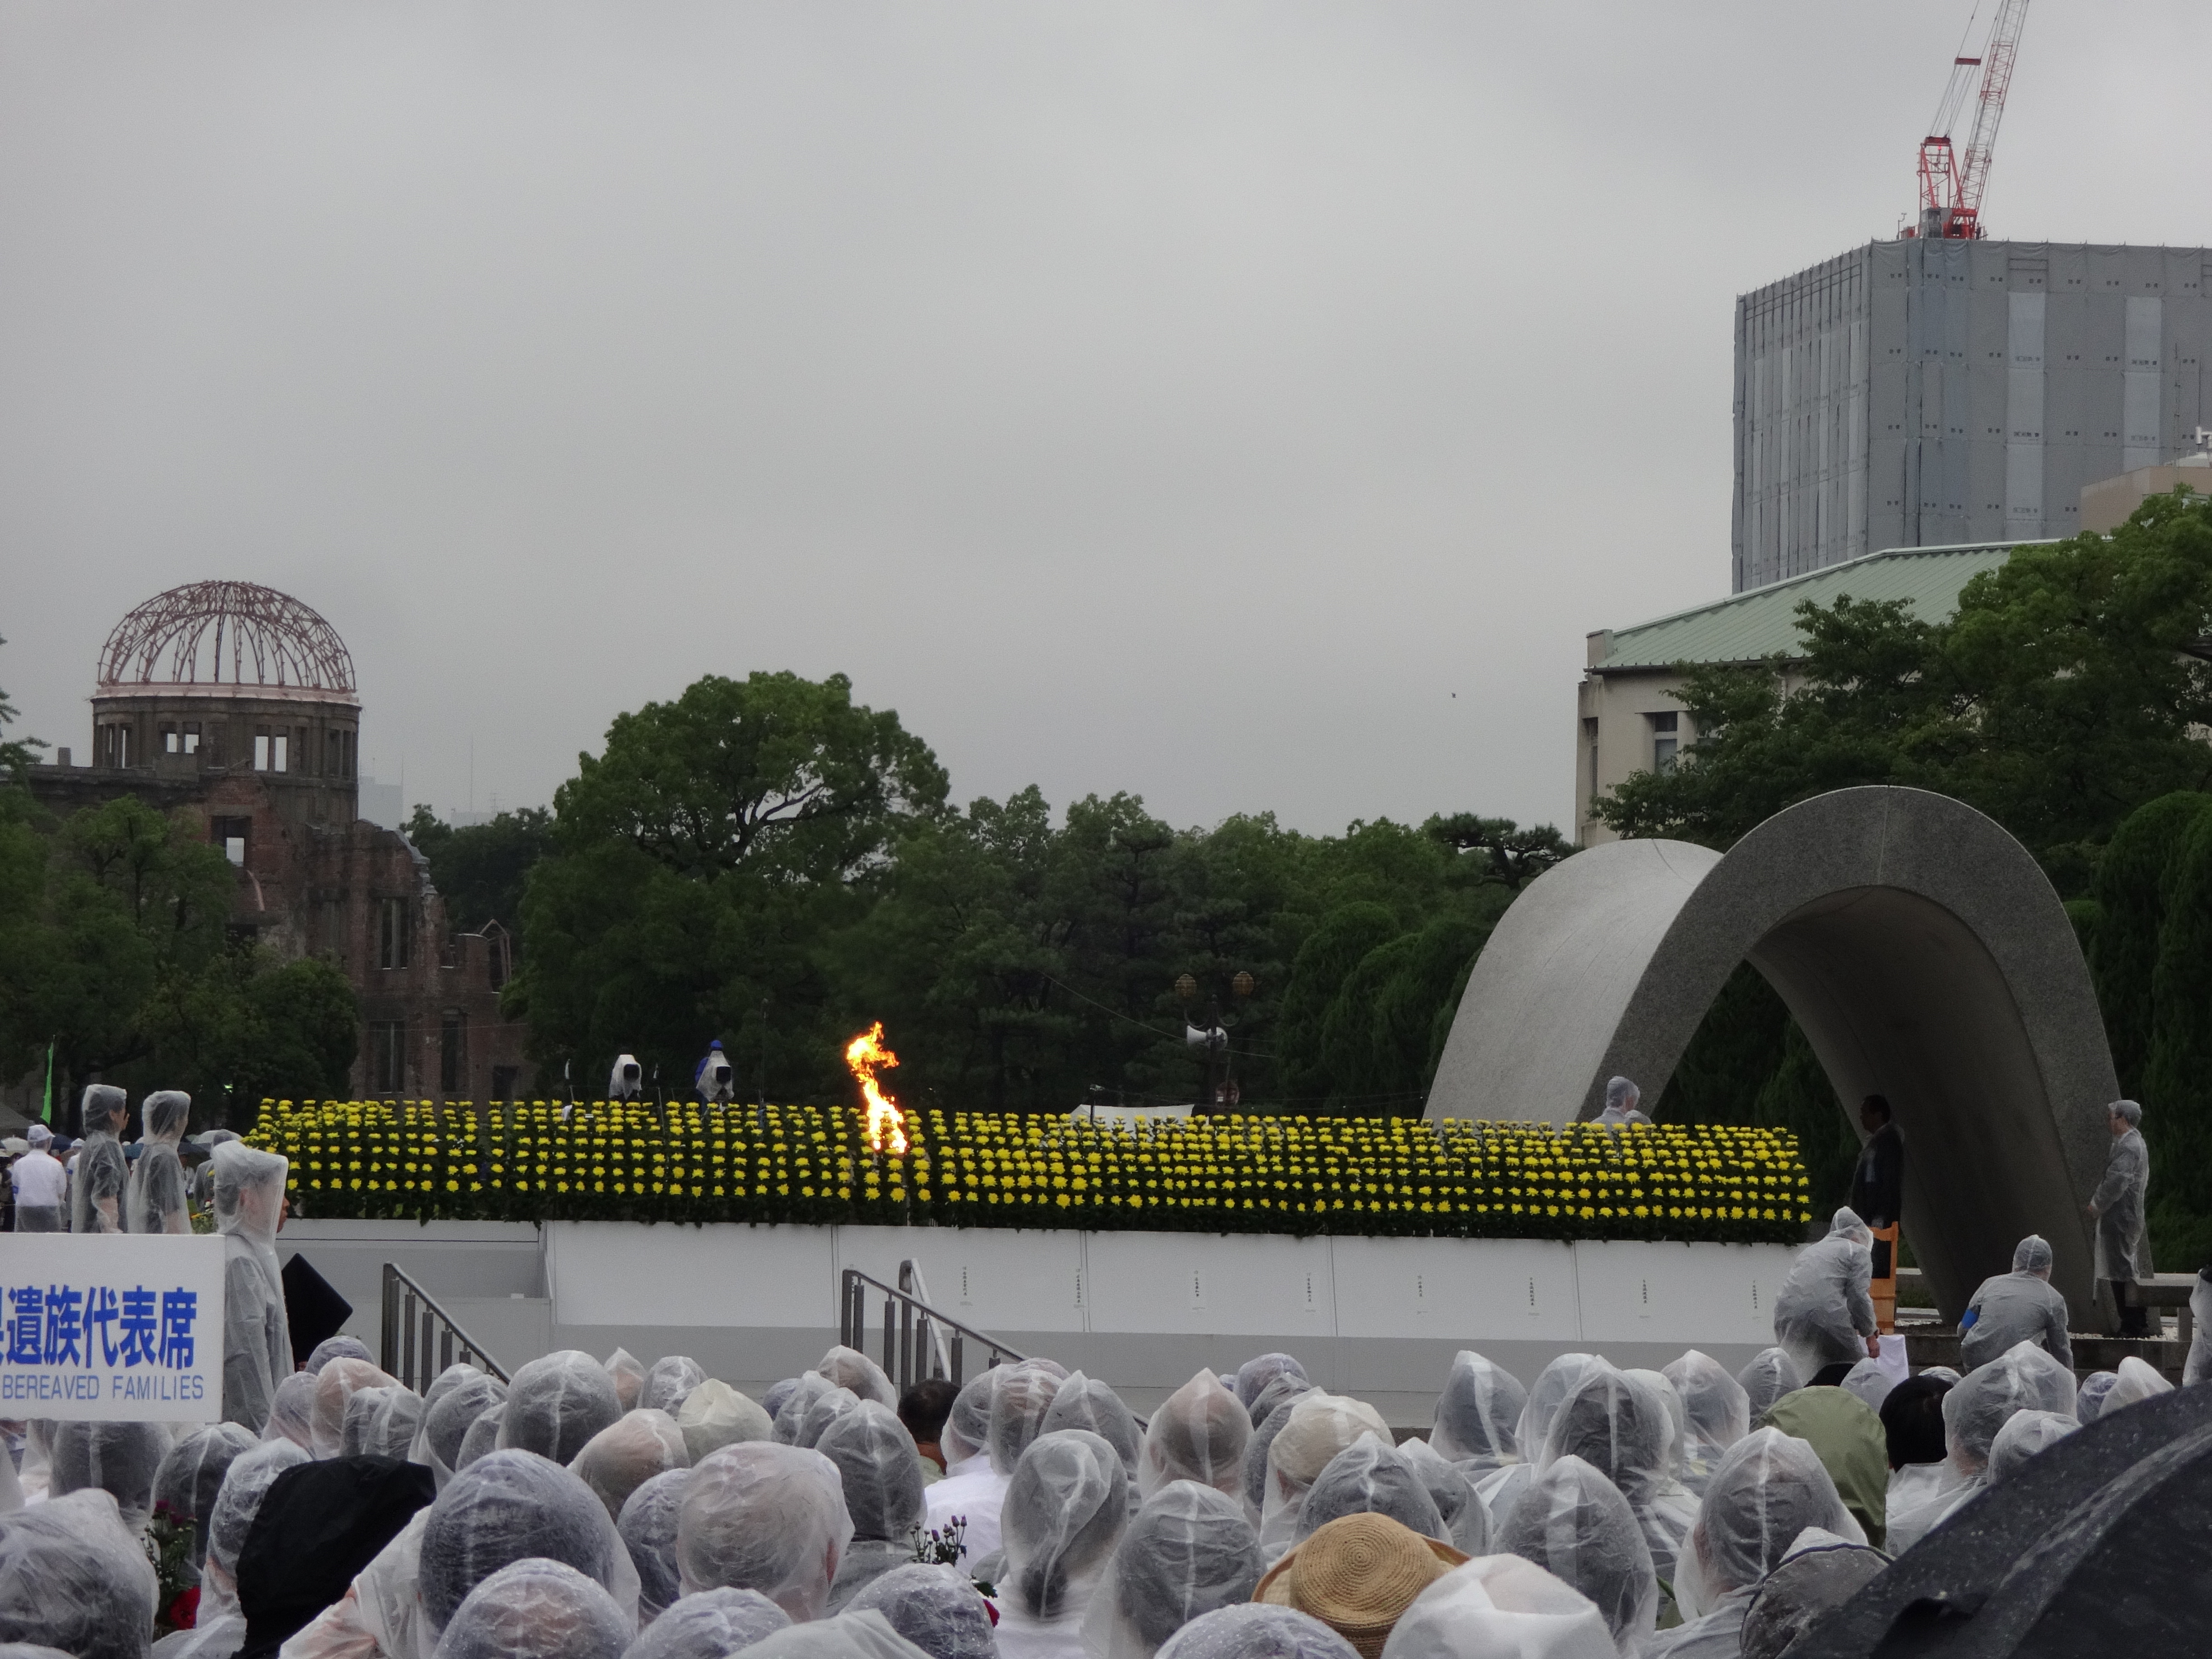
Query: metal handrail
x=420, y=1339
x=918, y=1342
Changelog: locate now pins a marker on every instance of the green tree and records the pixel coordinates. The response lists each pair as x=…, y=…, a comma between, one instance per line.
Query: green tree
x=2065, y=690
x=2134, y=895
x=700, y=866
x=1325, y=962
x=17, y=755
x=480, y=870
x=1509, y=854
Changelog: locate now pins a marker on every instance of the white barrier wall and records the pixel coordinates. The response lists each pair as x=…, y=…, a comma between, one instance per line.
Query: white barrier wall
x=1378, y=1317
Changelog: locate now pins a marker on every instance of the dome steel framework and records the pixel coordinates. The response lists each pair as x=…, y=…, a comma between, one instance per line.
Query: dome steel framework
x=200, y=630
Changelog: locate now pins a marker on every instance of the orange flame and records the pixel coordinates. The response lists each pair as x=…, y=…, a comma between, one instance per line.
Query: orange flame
x=866, y=1055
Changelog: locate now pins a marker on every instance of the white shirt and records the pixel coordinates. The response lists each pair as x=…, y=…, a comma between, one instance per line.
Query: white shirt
x=972, y=1490
x=39, y=1180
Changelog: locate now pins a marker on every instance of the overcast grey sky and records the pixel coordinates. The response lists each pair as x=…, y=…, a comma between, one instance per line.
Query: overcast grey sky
x=1248, y=406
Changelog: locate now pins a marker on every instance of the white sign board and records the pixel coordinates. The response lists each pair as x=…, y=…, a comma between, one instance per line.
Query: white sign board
x=111, y=1326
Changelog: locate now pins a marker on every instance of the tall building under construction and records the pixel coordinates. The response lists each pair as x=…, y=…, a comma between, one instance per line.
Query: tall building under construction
x=1931, y=391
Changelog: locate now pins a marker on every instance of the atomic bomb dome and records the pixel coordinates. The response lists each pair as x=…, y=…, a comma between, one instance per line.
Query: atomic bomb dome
x=197, y=631
x=231, y=677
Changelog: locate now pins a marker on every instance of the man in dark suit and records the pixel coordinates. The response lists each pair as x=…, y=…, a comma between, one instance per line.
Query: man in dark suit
x=1878, y=1182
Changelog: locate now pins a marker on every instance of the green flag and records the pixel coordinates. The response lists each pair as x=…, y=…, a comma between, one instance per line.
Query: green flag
x=46, y=1111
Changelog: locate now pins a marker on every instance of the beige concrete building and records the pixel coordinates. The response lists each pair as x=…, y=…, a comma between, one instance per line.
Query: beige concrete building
x=1628, y=719
x=2108, y=504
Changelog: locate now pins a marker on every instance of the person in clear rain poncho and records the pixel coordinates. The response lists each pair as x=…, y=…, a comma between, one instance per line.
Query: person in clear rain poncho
x=866, y=1635
x=2089, y=1395
x=1370, y=1477
x=1188, y=1550
x=626, y=1078
x=1716, y=1411
x=827, y=1408
x=556, y=1404
x=1451, y=1489
x=382, y=1422
x=536, y=1610
x=2117, y=1207
x=506, y=1507
x=668, y=1383
x=1621, y=1428
x=120, y=1458
x=153, y=1200
x=715, y=1079
x=646, y=1526
x=712, y=1624
x=1084, y=1402
x=1769, y=1374
x=790, y=1414
x=1199, y=1434
x=627, y=1372
x=1574, y=1523
x=1768, y=1489
x=192, y=1475
x=1622, y=1097
x=934, y=1607
x=1254, y=1376
x=1320, y=1425
x=1500, y=1605
x=73, y=1578
x=1258, y=1630
x=1477, y=1412
x=1065, y=1511
x=1824, y=1314
x=1818, y=1573
x=257, y=1344
x=880, y=1473
x=100, y=1173
x=993, y=1418
x=337, y=1348
x=460, y=1395
x=2024, y=1435
x=2198, y=1365
x=628, y=1452
x=851, y=1369
x=2024, y=1379
x=2019, y=1306
x=1502, y=1487
x=2135, y=1380
x=220, y=1624
x=767, y=1517
x=714, y=1415
x=335, y=1384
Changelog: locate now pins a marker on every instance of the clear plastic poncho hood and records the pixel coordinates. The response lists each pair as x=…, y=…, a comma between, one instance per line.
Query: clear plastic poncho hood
x=1064, y=1513
x=1370, y=1477
x=1717, y=1411
x=668, y=1383
x=712, y=1624
x=851, y=1369
x=764, y=1516
x=536, y=1609
x=556, y=1404
x=935, y=1607
x=714, y=1414
x=879, y=1470
x=1258, y=1630
x=1574, y=1523
x=1769, y=1488
x=1499, y=1605
x=628, y=1452
x=120, y=1459
x=2023, y=1378
x=73, y=1576
x=1084, y=1402
x=1199, y=1435
x=510, y=1506
x=1188, y=1551
x=1478, y=1413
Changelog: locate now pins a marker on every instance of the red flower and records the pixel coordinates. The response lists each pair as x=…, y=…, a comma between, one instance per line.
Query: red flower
x=184, y=1610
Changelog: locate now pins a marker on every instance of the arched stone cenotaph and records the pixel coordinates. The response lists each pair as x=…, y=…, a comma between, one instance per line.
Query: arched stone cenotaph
x=1921, y=950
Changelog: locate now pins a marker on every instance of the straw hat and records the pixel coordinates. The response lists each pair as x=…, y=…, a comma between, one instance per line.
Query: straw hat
x=1356, y=1574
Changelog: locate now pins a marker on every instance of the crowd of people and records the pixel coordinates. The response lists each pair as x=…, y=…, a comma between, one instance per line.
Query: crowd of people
x=97, y=1184
x=612, y=1509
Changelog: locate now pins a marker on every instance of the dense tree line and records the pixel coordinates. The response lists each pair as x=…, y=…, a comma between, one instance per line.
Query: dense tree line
x=765, y=862
x=117, y=957
x=2067, y=697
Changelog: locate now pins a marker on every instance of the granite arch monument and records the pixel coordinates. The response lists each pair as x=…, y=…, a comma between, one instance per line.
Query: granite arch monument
x=1922, y=950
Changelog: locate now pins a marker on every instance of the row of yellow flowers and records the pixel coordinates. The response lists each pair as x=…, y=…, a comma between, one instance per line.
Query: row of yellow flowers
x=638, y=1161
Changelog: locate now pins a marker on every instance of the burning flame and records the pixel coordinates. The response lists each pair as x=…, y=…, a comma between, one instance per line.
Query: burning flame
x=866, y=1055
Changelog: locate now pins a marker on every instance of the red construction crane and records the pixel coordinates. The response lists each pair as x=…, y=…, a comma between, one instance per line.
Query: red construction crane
x=1951, y=185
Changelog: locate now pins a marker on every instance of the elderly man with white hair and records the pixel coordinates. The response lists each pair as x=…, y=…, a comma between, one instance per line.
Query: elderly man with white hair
x=1621, y=1099
x=2018, y=1307
x=2123, y=1251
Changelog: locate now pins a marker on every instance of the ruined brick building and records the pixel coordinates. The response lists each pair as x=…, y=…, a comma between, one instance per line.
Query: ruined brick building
x=234, y=707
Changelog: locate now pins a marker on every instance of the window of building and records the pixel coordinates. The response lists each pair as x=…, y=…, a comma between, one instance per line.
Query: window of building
x=334, y=755
x=387, y=1056
x=170, y=742
x=1589, y=743
x=115, y=746
x=261, y=749
x=394, y=931
x=231, y=835
x=454, y=1052
x=280, y=754
x=191, y=737
x=1666, y=739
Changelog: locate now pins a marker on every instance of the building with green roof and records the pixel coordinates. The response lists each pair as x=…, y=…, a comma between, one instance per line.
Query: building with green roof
x=1630, y=721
